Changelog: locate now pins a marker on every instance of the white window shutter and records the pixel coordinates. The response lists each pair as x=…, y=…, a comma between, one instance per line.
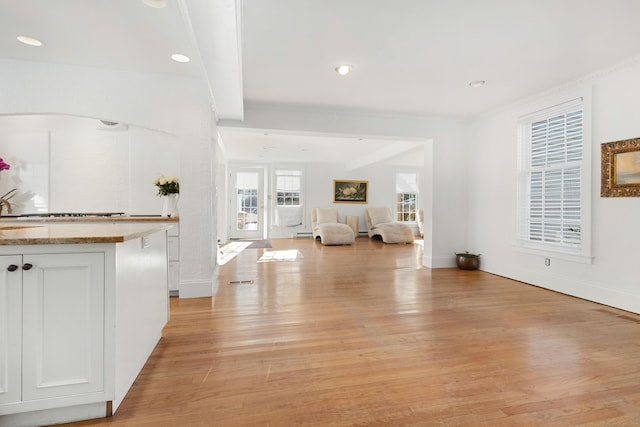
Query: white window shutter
x=550, y=168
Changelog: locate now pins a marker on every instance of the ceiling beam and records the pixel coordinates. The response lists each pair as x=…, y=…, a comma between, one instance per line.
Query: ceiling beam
x=215, y=27
x=386, y=153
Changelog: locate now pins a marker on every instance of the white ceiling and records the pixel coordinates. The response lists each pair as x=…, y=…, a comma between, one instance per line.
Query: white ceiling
x=410, y=56
x=116, y=34
x=418, y=56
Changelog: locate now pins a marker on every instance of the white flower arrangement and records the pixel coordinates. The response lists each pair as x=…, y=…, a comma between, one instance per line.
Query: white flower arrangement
x=167, y=185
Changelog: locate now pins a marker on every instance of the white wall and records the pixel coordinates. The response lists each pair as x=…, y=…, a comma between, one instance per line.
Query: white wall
x=151, y=154
x=26, y=150
x=612, y=277
x=63, y=163
x=89, y=171
x=179, y=106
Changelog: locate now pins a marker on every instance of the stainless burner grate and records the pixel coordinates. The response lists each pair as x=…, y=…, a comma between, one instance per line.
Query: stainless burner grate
x=71, y=214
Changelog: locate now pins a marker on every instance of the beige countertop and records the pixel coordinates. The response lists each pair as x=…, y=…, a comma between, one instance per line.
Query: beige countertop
x=81, y=219
x=79, y=232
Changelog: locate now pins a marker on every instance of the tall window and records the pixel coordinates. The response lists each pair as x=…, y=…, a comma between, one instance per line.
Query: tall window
x=288, y=185
x=406, y=197
x=551, y=174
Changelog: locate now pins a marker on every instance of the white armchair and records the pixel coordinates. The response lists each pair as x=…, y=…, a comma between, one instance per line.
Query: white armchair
x=326, y=228
x=380, y=224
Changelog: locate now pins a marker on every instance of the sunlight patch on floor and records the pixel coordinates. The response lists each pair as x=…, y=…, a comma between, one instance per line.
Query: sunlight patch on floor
x=285, y=255
x=230, y=251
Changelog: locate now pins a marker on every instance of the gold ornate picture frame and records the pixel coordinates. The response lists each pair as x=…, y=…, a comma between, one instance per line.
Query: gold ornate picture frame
x=620, y=168
x=350, y=191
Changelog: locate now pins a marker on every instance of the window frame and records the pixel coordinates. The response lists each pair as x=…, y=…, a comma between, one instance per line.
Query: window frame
x=396, y=194
x=275, y=185
x=273, y=195
x=553, y=108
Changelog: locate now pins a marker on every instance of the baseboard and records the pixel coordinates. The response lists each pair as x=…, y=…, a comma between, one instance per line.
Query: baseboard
x=439, y=262
x=66, y=414
x=580, y=288
x=195, y=289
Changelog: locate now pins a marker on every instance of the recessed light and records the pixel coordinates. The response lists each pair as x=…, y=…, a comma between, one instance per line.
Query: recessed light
x=343, y=70
x=180, y=58
x=477, y=83
x=157, y=4
x=29, y=40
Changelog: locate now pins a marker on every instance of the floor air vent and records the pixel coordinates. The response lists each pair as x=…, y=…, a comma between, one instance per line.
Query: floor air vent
x=241, y=282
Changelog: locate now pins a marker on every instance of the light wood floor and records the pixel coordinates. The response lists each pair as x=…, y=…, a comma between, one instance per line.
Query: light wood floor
x=363, y=336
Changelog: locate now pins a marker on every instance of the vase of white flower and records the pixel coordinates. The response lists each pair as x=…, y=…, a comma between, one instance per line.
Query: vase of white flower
x=170, y=205
x=169, y=190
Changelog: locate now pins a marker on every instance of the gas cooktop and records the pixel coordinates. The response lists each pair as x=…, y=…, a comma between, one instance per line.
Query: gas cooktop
x=69, y=214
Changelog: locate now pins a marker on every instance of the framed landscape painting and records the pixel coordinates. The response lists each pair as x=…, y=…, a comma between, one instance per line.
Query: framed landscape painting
x=350, y=191
x=620, y=168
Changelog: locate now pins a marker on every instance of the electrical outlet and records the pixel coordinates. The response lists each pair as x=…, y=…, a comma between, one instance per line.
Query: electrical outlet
x=547, y=262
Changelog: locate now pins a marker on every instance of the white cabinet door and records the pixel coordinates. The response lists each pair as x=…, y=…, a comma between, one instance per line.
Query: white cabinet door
x=10, y=328
x=63, y=324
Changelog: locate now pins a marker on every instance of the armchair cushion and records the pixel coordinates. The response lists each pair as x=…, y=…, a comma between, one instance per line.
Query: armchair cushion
x=379, y=215
x=394, y=232
x=326, y=215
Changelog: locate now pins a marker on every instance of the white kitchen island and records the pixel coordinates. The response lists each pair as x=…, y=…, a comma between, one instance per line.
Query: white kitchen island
x=82, y=307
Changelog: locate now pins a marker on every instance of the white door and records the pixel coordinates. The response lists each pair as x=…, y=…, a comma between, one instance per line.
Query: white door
x=246, y=214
